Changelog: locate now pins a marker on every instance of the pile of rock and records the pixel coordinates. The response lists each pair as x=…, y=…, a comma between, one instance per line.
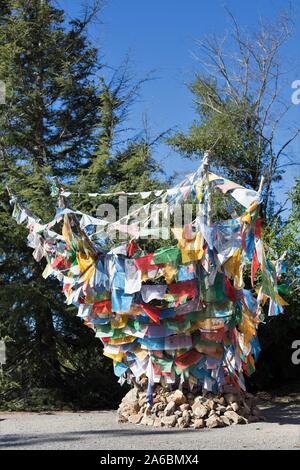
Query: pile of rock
x=183, y=410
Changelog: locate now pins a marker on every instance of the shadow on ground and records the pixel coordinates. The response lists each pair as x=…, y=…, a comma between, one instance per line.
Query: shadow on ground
x=282, y=414
x=14, y=440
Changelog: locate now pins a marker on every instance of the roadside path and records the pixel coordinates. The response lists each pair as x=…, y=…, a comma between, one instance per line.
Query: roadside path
x=100, y=430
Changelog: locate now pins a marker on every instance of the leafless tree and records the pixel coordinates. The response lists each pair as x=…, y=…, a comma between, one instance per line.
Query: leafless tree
x=248, y=68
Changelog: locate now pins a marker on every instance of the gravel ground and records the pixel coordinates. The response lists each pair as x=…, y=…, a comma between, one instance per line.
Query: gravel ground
x=99, y=430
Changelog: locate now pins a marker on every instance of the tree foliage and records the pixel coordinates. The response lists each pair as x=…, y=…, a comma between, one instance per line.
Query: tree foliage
x=60, y=120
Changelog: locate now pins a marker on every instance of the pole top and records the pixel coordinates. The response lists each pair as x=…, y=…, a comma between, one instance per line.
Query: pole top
x=206, y=159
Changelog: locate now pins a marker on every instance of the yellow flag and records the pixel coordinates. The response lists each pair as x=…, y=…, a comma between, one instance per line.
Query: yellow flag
x=66, y=230
x=120, y=321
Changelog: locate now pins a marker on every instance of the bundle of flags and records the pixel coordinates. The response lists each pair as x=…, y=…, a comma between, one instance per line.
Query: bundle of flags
x=181, y=313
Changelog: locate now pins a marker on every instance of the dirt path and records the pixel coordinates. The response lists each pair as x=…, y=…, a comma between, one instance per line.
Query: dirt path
x=100, y=430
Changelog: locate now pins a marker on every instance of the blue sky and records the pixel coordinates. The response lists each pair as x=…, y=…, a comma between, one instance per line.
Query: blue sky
x=161, y=35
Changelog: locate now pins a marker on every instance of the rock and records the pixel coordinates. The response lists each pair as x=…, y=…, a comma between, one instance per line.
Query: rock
x=178, y=397
x=129, y=408
x=143, y=382
x=226, y=421
x=210, y=404
x=160, y=406
x=169, y=421
x=233, y=416
x=142, y=401
x=182, y=423
x=244, y=412
x=213, y=422
x=243, y=420
x=252, y=419
x=247, y=407
x=221, y=408
x=235, y=406
x=250, y=399
x=170, y=408
x=122, y=419
x=184, y=407
x=157, y=399
x=135, y=406
x=157, y=423
x=135, y=419
x=199, y=410
x=219, y=400
x=198, y=399
x=186, y=416
x=127, y=413
x=131, y=396
x=230, y=398
x=199, y=423
x=147, y=420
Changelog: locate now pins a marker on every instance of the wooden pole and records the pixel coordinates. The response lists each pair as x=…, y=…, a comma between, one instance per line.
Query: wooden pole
x=206, y=179
x=261, y=184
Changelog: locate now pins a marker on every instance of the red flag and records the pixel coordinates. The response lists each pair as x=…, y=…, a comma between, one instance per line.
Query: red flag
x=188, y=359
x=188, y=288
x=131, y=248
x=103, y=306
x=230, y=290
x=144, y=263
x=258, y=228
x=254, y=267
x=152, y=312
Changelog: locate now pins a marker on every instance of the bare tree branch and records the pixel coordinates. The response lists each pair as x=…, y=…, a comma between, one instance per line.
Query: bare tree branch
x=247, y=75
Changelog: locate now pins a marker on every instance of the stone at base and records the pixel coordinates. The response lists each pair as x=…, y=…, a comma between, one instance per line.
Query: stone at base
x=135, y=419
x=189, y=410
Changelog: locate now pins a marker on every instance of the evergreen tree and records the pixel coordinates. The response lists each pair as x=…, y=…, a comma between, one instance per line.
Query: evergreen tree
x=57, y=122
x=118, y=163
x=47, y=129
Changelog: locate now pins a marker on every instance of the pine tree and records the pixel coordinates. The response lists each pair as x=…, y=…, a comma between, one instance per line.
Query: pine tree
x=118, y=164
x=47, y=129
x=57, y=122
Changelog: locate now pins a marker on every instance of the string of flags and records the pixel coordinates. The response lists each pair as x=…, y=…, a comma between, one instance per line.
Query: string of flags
x=181, y=313
x=243, y=195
